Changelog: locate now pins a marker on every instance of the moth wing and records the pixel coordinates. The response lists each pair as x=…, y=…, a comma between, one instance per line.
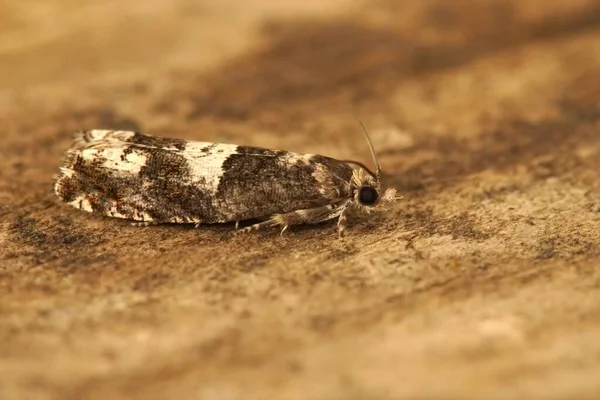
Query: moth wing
x=155, y=184
x=104, y=139
x=140, y=177
x=257, y=187
x=109, y=181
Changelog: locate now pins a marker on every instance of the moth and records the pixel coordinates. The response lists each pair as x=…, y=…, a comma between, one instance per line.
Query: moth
x=155, y=180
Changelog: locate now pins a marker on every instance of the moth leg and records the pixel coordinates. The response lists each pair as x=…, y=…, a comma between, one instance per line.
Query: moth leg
x=283, y=230
x=342, y=221
x=237, y=225
x=305, y=216
x=142, y=224
x=258, y=226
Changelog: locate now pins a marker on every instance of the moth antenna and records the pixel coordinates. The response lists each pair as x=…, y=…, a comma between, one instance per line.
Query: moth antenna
x=373, y=154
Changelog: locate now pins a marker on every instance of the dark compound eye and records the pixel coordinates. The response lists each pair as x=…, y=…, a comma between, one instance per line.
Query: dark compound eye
x=367, y=195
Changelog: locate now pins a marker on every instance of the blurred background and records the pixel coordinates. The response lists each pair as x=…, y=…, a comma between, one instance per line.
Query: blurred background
x=482, y=283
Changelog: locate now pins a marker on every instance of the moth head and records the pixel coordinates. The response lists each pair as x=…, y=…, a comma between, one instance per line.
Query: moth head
x=366, y=189
x=366, y=184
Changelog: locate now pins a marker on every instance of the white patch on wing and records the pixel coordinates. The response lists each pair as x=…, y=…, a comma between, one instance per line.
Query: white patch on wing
x=199, y=147
x=100, y=138
x=137, y=160
x=101, y=134
x=294, y=158
x=113, y=212
x=67, y=172
x=82, y=203
x=324, y=177
x=135, y=215
x=206, y=162
x=142, y=216
x=117, y=159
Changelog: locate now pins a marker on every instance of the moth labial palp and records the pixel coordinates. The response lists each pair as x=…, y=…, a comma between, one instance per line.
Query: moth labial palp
x=154, y=180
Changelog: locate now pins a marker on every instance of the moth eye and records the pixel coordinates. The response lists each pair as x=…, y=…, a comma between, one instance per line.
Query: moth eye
x=367, y=195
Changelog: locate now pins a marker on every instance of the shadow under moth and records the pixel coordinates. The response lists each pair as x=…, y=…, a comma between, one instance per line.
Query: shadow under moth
x=154, y=180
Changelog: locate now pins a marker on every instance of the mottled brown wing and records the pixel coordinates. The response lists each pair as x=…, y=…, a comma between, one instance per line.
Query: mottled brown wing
x=145, y=178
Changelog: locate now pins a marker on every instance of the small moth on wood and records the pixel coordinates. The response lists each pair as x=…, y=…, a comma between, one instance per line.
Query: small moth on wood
x=156, y=180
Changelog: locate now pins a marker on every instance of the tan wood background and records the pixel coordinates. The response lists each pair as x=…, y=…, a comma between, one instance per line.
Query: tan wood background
x=483, y=283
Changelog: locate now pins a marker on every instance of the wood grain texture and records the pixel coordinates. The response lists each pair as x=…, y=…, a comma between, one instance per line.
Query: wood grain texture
x=482, y=283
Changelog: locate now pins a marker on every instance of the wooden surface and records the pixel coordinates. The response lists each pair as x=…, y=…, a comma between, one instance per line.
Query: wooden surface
x=483, y=283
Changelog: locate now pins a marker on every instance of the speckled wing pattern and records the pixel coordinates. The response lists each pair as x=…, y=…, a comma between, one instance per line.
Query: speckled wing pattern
x=139, y=177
